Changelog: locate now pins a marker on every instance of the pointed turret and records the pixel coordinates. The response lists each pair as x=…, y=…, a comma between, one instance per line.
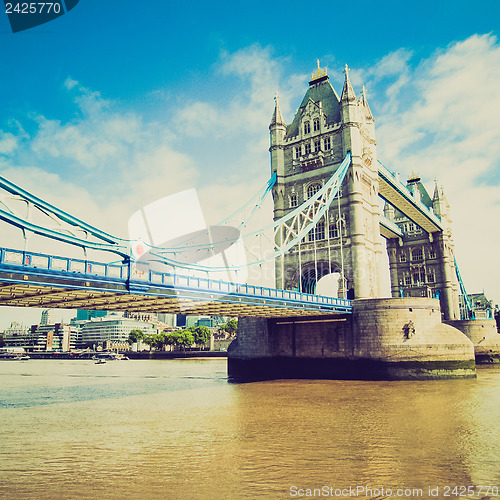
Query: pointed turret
x=349, y=110
x=364, y=103
x=277, y=130
x=440, y=204
x=277, y=118
x=347, y=92
x=277, y=125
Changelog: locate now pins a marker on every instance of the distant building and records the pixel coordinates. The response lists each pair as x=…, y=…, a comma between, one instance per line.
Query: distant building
x=48, y=317
x=482, y=307
x=55, y=337
x=141, y=316
x=209, y=321
x=114, y=329
x=167, y=319
x=17, y=335
x=84, y=315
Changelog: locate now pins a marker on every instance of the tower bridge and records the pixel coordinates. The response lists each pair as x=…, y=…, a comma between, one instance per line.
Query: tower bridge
x=326, y=183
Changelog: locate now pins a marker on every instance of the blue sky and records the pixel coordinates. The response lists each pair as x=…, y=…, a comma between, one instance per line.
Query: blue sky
x=118, y=103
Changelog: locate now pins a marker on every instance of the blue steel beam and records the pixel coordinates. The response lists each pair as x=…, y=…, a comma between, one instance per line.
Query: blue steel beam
x=121, y=250
x=12, y=188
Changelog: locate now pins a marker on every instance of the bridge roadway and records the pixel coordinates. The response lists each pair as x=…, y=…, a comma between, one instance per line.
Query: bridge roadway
x=398, y=195
x=30, y=279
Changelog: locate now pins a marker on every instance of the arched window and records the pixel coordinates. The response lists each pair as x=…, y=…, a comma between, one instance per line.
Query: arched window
x=293, y=200
x=334, y=232
x=327, y=143
x=313, y=189
x=308, y=148
x=418, y=276
x=316, y=146
x=298, y=151
x=318, y=233
x=417, y=254
x=316, y=124
x=307, y=127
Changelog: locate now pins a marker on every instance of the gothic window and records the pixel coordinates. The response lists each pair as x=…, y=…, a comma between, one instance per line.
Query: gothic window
x=308, y=148
x=431, y=276
x=417, y=254
x=432, y=253
x=312, y=190
x=327, y=143
x=316, y=146
x=316, y=124
x=407, y=279
x=293, y=200
x=307, y=127
x=402, y=257
x=417, y=279
x=334, y=232
x=318, y=233
x=298, y=150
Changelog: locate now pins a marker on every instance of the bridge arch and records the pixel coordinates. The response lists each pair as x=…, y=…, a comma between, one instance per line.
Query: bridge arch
x=313, y=273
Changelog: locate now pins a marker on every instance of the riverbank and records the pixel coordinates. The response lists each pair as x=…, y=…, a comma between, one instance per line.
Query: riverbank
x=176, y=354
x=131, y=355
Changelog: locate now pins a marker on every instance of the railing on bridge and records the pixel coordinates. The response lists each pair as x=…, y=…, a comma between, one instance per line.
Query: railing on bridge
x=129, y=273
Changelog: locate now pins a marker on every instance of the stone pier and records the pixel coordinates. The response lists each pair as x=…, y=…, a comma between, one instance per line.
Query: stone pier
x=384, y=339
x=484, y=335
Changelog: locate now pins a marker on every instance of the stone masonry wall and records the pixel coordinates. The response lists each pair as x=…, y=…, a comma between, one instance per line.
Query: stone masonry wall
x=483, y=334
x=394, y=338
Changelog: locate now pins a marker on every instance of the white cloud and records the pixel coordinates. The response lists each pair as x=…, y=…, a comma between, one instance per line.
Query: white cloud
x=8, y=143
x=257, y=76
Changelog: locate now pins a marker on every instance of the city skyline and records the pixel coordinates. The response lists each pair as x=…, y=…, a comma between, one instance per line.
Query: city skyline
x=157, y=100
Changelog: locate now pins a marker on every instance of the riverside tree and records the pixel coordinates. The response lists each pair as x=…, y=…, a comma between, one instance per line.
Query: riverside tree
x=134, y=336
x=180, y=338
x=230, y=328
x=156, y=341
x=201, y=334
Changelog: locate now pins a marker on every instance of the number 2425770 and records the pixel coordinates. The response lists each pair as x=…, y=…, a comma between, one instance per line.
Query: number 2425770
x=32, y=8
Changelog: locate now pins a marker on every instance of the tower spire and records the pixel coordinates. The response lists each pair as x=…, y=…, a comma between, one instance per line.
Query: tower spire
x=364, y=102
x=277, y=118
x=347, y=92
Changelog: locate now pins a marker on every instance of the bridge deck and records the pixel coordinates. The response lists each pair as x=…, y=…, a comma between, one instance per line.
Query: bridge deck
x=396, y=193
x=37, y=280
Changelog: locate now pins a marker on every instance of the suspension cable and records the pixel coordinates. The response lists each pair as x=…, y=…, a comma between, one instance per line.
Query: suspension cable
x=344, y=291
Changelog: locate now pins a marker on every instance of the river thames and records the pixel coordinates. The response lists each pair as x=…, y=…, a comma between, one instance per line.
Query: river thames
x=176, y=429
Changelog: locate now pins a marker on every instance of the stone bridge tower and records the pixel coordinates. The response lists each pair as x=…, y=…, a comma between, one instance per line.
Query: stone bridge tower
x=304, y=155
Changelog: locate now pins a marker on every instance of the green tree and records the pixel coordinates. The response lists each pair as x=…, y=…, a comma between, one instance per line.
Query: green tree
x=201, y=334
x=149, y=340
x=134, y=336
x=185, y=339
x=231, y=326
x=169, y=338
x=157, y=341
x=180, y=338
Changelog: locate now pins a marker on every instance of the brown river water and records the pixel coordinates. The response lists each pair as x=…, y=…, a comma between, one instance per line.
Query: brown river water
x=176, y=429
